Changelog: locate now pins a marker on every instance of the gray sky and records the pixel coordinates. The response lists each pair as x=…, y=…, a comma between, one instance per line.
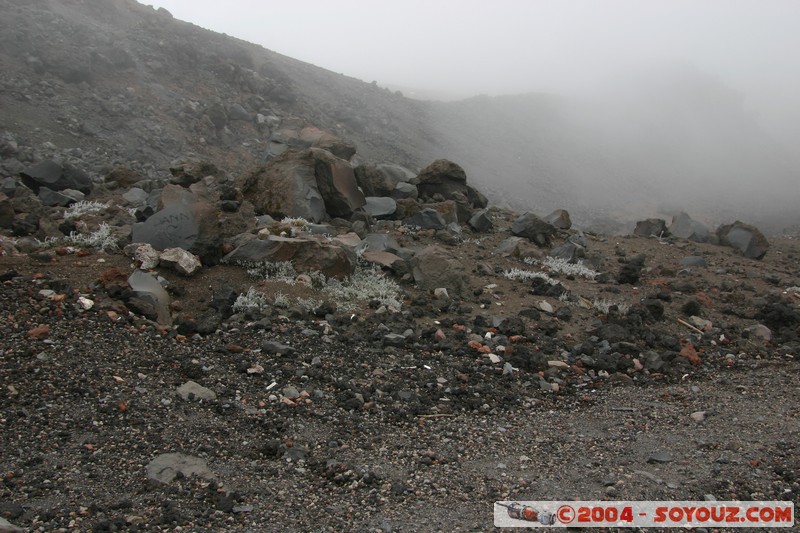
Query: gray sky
x=467, y=47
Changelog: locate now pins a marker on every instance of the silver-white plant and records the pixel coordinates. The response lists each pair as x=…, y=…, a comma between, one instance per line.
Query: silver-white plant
x=309, y=304
x=562, y=266
x=250, y=301
x=527, y=275
x=83, y=207
x=296, y=224
x=604, y=306
x=101, y=239
x=366, y=283
x=281, y=271
x=280, y=300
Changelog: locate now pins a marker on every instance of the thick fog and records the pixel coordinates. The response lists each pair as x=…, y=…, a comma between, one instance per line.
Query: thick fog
x=657, y=84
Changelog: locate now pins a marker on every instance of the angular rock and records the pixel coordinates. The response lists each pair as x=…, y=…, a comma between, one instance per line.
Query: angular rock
x=651, y=227
x=150, y=290
x=181, y=261
x=192, y=390
x=447, y=178
x=534, y=229
x=481, y=222
x=314, y=137
x=685, y=227
x=51, y=198
x=394, y=339
x=173, y=227
x=193, y=227
x=380, y=206
x=166, y=467
x=145, y=255
x=559, y=219
x=427, y=219
x=135, y=196
x=311, y=184
x=276, y=348
x=305, y=255
x=56, y=176
x=384, y=179
x=380, y=242
x=405, y=190
x=434, y=267
x=745, y=238
x=386, y=259
x=569, y=251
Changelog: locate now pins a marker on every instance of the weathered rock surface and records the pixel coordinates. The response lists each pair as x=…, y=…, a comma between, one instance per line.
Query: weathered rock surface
x=312, y=184
x=745, y=238
x=559, y=219
x=434, y=267
x=651, y=227
x=534, y=229
x=686, y=227
x=181, y=261
x=305, y=255
x=56, y=176
x=449, y=180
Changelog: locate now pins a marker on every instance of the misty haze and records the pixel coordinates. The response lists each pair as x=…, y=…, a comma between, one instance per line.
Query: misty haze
x=397, y=266
x=623, y=108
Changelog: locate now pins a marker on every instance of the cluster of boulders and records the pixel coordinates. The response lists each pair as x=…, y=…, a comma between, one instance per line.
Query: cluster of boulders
x=743, y=237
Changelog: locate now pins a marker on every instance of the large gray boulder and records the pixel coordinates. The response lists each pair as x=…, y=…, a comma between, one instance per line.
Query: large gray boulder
x=383, y=179
x=745, y=238
x=306, y=255
x=193, y=226
x=427, y=219
x=534, y=229
x=685, y=227
x=651, y=227
x=312, y=184
x=434, y=267
x=380, y=206
x=559, y=219
x=56, y=177
x=447, y=178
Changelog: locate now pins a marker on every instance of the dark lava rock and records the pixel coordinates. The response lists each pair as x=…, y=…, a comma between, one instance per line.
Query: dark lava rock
x=745, y=238
x=534, y=229
x=631, y=271
x=56, y=176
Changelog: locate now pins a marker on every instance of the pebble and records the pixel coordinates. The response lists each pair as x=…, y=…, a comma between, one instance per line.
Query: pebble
x=192, y=390
x=659, y=457
x=698, y=416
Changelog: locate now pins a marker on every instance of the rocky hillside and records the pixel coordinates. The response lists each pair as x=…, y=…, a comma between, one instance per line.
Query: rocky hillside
x=117, y=83
x=232, y=298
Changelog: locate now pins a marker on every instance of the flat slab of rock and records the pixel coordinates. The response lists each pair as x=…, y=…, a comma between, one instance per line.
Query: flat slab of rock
x=173, y=227
x=380, y=206
x=147, y=287
x=194, y=391
x=167, y=466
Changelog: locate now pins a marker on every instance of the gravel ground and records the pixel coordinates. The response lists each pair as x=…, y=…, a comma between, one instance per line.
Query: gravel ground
x=345, y=434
